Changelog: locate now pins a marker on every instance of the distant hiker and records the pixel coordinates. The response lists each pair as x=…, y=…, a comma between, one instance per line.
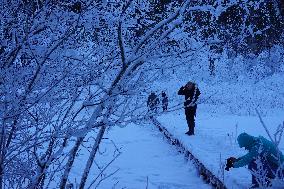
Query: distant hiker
x=191, y=94
x=165, y=101
x=263, y=159
x=153, y=102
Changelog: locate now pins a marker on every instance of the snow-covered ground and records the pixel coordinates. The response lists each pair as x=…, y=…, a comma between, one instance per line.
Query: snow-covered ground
x=147, y=160
x=146, y=156
x=215, y=140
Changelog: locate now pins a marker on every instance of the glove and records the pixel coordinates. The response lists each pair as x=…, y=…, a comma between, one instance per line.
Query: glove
x=230, y=162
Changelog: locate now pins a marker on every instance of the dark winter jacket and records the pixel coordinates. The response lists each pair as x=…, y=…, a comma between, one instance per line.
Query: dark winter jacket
x=258, y=146
x=153, y=101
x=190, y=96
x=165, y=99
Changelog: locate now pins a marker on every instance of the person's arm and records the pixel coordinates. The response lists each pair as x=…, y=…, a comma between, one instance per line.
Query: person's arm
x=196, y=96
x=197, y=93
x=181, y=91
x=148, y=101
x=246, y=159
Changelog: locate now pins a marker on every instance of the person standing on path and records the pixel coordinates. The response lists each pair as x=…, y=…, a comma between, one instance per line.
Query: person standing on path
x=153, y=102
x=191, y=94
x=165, y=101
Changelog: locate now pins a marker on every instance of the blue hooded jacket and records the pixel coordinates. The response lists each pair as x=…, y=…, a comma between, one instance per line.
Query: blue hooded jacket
x=257, y=146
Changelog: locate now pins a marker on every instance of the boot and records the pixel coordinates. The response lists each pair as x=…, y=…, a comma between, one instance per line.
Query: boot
x=189, y=133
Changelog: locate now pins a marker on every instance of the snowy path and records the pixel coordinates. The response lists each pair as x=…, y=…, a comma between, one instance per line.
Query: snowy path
x=146, y=154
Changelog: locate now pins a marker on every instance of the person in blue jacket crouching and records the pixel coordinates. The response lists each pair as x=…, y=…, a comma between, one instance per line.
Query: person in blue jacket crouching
x=264, y=159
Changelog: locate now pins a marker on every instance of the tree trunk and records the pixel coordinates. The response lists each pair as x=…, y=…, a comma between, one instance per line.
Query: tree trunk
x=92, y=157
x=70, y=162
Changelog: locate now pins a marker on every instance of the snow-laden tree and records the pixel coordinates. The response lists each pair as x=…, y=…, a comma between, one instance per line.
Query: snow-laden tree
x=70, y=71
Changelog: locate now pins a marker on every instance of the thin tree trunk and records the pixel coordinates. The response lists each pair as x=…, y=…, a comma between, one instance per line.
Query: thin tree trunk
x=70, y=162
x=11, y=133
x=92, y=157
x=38, y=183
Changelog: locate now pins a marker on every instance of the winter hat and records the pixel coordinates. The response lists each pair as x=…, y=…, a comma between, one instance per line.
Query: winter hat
x=245, y=140
x=189, y=85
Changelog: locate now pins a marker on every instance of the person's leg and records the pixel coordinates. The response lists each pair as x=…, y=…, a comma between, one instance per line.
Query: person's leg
x=266, y=167
x=166, y=106
x=155, y=109
x=271, y=172
x=191, y=124
x=253, y=167
x=190, y=112
x=187, y=116
x=192, y=118
x=151, y=112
